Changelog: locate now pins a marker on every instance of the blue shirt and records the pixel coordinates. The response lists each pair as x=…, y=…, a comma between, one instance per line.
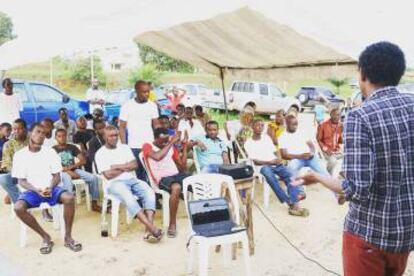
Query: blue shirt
x=214, y=152
x=379, y=170
x=319, y=112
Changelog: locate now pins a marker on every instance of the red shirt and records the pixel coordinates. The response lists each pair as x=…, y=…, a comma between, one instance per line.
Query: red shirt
x=329, y=136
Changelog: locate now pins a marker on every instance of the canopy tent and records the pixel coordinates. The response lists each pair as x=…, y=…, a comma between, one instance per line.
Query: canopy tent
x=243, y=40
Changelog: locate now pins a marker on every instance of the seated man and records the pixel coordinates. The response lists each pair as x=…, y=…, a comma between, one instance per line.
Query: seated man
x=82, y=135
x=329, y=137
x=190, y=125
x=167, y=169
x=211, y=150
x=117, y=164
x=19, y=141
x=47, y=125
x=202, y=116
x=5, y=131
x=260, y=149
x=164, y=122
x=66, y=123
x=298, y=149
x=38, y=170
x=96, y=142
x=72, y=170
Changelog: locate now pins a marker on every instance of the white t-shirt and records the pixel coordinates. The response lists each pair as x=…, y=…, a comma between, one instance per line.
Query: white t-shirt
x=139, y=118
x=93, y=95
x=194, y=131
x=10, y=106
x=294, y=143
x=36, y=167
x=122, y=154
x=50, y=142
x=263, y=149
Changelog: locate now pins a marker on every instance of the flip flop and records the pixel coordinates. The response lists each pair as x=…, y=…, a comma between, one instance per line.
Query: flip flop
x=301, y=212
x=46, y=247
x=154, y=239
x=74, y=246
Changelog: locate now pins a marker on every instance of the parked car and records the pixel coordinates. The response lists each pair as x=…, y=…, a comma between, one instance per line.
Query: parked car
x=115, y=99
x=309, y=96
x=265, y=98
x=196, y=93
x=41, y=100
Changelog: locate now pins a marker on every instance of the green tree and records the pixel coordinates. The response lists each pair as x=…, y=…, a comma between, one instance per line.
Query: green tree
x=147, y=72
x=6, y=28
x=80, y=71
x=162, y=61
x=338, y=83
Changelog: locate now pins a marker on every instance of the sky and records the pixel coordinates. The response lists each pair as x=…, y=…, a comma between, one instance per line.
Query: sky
x=48, y=27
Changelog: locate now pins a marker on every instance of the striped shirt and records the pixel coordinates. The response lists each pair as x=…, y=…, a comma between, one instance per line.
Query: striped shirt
x=379, y=170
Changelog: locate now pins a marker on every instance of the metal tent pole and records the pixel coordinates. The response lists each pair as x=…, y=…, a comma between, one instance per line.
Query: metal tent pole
x=224, y=92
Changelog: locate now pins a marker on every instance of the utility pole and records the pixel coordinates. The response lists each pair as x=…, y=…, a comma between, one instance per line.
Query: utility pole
x=51, y=71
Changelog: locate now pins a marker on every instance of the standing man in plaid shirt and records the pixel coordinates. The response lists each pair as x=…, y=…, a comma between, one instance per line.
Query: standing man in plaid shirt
x=378, y=169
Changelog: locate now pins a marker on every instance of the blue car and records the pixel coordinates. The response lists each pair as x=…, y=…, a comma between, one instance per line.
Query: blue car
x=115, y=99
x=41, y=100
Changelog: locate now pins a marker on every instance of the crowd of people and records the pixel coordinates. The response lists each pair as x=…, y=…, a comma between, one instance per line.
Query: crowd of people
x=376, y=177
x=82, y=150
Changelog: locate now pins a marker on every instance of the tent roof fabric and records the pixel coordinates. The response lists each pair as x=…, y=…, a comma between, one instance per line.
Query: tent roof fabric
x=243, y=39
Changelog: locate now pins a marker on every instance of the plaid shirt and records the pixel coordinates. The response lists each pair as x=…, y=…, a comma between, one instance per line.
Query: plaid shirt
x=379, y=170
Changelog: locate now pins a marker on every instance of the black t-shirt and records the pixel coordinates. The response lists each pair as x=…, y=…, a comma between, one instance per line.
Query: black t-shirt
x=83, y=137
x=67, y=154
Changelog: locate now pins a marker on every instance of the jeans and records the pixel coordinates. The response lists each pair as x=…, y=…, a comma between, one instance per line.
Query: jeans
x=270, y=172
x=126, y=190
x=90, y=180
x=211, y=168
x=9, y=184
x=295, y=165
x=140, y=171
x=334, y=162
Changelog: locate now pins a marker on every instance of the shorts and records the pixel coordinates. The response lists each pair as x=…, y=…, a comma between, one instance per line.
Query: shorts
x=166, y=182
x=34, y=200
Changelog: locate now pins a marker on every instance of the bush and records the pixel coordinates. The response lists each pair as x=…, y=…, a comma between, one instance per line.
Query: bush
x=338, y=83
x=147, y=72
x=80, y=71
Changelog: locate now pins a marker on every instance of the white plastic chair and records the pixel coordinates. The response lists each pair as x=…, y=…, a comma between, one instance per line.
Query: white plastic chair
x=165, y=195
x=115, y=203
x=59, y=223
x=195, y=158
x=206, y=186
x=81, y=185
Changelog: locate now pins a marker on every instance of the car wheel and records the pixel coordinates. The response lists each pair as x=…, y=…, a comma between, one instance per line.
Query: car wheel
x=251, y=105
x=303, y=98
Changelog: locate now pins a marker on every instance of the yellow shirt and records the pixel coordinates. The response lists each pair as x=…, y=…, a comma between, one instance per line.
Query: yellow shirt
x=152, y=96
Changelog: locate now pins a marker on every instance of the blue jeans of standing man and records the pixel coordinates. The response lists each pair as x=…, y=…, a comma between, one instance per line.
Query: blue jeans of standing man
x=9, y=184
x=127, y=191
x=270, y=173
x=90, y=180
x=295, y=165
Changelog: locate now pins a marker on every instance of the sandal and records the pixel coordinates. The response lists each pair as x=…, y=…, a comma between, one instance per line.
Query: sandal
x=150, y=238
x=74, y=246
x=172, y=233
x=46, y=247
x=300, y=212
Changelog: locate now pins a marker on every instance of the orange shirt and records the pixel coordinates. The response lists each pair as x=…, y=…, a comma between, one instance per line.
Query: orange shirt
x=329, y=136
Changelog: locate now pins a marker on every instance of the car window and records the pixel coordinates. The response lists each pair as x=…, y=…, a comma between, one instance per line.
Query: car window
x=19, y=88
x=275, y=92
x=44, y=93
x=251, y=87
x=264, y=90
x=327, y=93
x=235, y=86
